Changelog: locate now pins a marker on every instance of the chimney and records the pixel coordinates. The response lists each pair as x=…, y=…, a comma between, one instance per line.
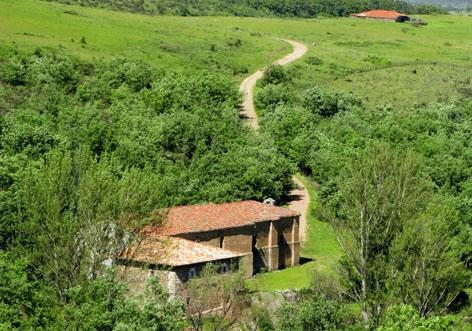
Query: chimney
x=269, y=201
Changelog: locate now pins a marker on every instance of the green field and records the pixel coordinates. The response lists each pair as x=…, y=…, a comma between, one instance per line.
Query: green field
x=175, y=43
x=384, y=63
x=388, y=63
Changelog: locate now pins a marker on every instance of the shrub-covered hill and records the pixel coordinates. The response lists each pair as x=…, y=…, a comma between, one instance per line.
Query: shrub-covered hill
x=185, y=130
x=449, y=4
x=281, y=8
x=86, y=146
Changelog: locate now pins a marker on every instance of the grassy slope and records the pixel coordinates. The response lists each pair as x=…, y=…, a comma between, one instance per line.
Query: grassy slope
x=444, y=3
x=170, y=42
x=345, y=47
x=185, y=43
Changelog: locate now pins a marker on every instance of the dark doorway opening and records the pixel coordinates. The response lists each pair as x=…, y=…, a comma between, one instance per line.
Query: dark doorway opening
x=258, y=259
x=283, y=250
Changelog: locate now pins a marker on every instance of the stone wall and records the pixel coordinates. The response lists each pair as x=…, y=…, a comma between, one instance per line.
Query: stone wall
x=233, y=239
x=137, y=278
x=172, y=279
x=267, y=245
x=288, y=242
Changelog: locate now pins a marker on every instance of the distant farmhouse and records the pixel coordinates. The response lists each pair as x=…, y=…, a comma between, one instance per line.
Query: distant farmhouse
x=383, y=15
x=258, y=236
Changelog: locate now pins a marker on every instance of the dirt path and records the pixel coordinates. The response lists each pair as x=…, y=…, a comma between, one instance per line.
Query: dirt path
x=299, y=198
x=247, y=86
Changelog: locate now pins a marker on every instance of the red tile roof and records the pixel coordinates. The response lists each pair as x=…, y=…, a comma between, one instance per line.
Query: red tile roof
x=172, y=251
x=201, y=218
x=381, y=14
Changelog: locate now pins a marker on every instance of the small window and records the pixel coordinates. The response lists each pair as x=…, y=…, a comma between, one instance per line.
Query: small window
x=192, y=273
x=224, y=268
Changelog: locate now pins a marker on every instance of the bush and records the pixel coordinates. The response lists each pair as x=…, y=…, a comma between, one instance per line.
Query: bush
x=404, y=317
x=328, y=104
x=290, y=129
x=272, y=96
x=313, y=60
x=262, y=319
x=317, y=313
x=13, y=72
x=275, y=74
x=418, y=23
x=377, y=60
x=102, y=304
x=322, y=283
x=55, y=71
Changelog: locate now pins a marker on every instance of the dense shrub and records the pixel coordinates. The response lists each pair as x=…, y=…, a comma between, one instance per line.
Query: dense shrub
x=313, y=60
x=275, y=74
x=272, y=96
x=316, y=313
x=113, y=140
x=140, y=116
x=326, y=136
x=404, y=317
x=328, y=104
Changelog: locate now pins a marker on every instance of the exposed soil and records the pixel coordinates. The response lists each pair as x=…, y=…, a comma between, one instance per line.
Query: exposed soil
x=247, y=86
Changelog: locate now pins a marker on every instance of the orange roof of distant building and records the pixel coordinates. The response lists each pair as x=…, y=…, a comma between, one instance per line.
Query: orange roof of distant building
x=172, y=251
x=201, y=218
x=382, y=14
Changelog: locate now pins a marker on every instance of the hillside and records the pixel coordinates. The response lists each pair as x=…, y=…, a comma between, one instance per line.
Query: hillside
x=354, y=54
x=166, y=41
x=110, y=117
x=449, y=4
x=254, y=8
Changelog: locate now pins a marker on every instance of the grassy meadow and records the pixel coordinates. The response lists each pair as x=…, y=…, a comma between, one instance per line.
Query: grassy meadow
x=384, y=63
x=176, y=43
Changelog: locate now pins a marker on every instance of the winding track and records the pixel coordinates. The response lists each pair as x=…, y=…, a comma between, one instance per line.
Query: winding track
x=299, y=197
x=247, y=86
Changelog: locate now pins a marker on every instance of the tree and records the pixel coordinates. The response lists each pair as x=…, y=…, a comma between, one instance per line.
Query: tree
x=25, y=302
x=401, y=243
x=317, y=313
x=102, y=304
x=378, y=193
x=74, y=209
x=404, y=317
x=426, y=268
x=215, y=298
